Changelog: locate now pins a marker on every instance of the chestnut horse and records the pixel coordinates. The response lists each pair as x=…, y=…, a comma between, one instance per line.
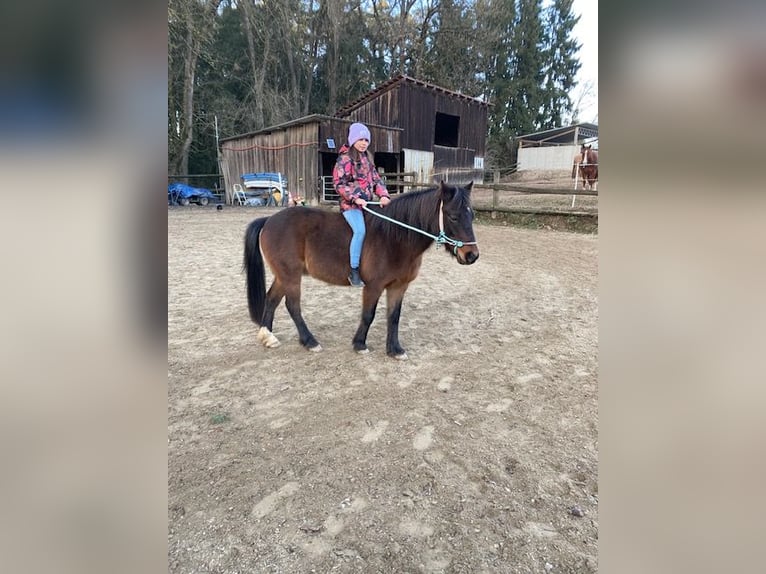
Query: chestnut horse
x=587, y=162
x=314, y=241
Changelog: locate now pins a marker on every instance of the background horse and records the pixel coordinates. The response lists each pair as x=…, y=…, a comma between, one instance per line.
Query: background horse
x=587, y=163
x=316, y=241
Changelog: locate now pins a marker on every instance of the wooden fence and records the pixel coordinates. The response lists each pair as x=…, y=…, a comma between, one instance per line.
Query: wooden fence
x=526, y=199
x=515, y=197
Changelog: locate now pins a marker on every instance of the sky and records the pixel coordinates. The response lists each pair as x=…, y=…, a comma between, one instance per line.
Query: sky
x=586, y=33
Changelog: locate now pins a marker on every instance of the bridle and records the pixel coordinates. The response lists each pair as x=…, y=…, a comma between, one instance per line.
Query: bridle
x=442, y=238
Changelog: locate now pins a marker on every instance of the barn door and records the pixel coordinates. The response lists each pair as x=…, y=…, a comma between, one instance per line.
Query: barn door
x=420, y=162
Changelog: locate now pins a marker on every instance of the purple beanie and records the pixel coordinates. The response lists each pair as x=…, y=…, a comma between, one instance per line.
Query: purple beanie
x=357, y=132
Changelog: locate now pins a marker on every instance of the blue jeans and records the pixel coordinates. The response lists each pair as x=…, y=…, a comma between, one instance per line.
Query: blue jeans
x=355, y=219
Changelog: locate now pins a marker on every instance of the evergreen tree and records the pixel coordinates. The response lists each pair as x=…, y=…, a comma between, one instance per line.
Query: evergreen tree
x=255, y=63
x=526, y=97
x=497, y=28
x=515, y=75
x=560, y=64
x=454, y=52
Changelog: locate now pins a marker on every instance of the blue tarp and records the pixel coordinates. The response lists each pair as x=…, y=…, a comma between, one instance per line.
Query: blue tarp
x=178, y=191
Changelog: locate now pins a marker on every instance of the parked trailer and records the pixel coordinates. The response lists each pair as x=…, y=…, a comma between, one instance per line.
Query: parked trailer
x=270, y=186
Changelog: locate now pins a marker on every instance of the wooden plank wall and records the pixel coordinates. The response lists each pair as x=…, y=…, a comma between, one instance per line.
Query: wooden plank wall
x=382, y=140
x=292, y=151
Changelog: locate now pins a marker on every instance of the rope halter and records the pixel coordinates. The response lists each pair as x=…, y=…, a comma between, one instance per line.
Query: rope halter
x=442, y=238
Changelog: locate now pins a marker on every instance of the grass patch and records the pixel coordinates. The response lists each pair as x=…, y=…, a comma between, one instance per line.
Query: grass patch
x=220, y=418
x=563, y=222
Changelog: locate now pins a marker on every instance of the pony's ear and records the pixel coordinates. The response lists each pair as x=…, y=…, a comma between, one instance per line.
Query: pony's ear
x=447, y=191
x=468, y=187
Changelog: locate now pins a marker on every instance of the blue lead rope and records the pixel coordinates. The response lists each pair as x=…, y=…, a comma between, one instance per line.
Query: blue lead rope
x=441, y=238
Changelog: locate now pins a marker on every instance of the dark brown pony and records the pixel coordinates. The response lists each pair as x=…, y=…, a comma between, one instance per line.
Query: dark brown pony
x=312, y=241
x=587, y=162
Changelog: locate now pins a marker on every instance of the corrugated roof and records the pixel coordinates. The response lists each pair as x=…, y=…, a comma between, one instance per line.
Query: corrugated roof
x=301, y=121
x=396, y=80
x=563, y=135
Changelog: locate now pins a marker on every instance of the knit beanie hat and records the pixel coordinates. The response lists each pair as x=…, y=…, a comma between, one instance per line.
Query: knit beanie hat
x=357, y=132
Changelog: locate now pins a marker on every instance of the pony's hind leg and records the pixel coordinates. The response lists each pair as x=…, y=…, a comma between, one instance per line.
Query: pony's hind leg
x=293, y=303
x=273, y=298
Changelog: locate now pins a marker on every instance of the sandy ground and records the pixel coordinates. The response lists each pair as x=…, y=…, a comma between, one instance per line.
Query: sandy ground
x=469, y=457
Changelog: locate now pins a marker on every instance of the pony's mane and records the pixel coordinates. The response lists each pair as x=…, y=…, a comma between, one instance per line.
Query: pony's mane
x=416, y=208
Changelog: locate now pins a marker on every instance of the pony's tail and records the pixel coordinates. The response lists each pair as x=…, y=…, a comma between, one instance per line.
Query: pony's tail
x=574, y=170
x=256, y=273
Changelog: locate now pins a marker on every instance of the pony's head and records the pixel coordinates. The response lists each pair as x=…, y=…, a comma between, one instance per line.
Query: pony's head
x=588, y=154
x=457, y=222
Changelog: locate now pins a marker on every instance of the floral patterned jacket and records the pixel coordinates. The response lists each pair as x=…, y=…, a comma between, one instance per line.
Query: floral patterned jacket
x=356, y=179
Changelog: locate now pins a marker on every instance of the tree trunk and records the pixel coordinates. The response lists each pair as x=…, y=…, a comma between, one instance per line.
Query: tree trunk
x=197, y=28
x=258, y=72
x=187, y=125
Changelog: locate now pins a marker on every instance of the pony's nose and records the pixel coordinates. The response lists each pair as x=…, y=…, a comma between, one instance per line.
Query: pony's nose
x=471, y=257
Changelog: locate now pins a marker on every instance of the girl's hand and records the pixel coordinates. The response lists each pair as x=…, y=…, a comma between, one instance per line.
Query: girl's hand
x=385, y=200
x=360, y=202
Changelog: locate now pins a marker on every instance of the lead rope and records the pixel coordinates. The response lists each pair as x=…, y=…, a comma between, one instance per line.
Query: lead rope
x=441, y=238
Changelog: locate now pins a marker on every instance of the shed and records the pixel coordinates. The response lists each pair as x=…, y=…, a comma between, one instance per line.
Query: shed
x=554, y=149
x=302, y=150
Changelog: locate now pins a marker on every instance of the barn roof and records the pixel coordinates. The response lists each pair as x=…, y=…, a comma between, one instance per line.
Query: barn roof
x=313, y=118
x=297, y=122
x=395, y=81
x=563, y=135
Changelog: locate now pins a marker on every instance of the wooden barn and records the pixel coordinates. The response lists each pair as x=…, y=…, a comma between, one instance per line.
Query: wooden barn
x=443, y=132
x=415, y=127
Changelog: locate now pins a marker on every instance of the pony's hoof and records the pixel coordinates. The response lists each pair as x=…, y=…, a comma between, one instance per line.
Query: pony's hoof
x=362, y=351
x=316, y=348
x=267, y=338
x=401, y=357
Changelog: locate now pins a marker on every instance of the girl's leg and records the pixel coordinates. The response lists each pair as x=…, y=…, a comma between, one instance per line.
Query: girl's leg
x=355, y=219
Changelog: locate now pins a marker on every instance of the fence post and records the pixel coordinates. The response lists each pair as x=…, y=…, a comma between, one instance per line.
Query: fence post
x=577, y=176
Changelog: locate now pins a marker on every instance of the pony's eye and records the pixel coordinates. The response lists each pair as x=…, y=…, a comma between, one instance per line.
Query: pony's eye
x=452, y=218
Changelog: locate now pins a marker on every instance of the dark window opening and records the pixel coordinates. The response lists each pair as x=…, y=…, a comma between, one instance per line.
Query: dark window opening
x=447, y=129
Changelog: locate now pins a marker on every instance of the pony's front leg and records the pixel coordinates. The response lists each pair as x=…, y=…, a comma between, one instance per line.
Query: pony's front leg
x=395, y=296
x=370, y=297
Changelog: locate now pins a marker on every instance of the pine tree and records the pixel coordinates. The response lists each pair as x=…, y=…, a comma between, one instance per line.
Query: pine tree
x=257, y=63
x=560, y=64
x=515, y=75
x=455, y=49
x=497, y=28
x=526, y=97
